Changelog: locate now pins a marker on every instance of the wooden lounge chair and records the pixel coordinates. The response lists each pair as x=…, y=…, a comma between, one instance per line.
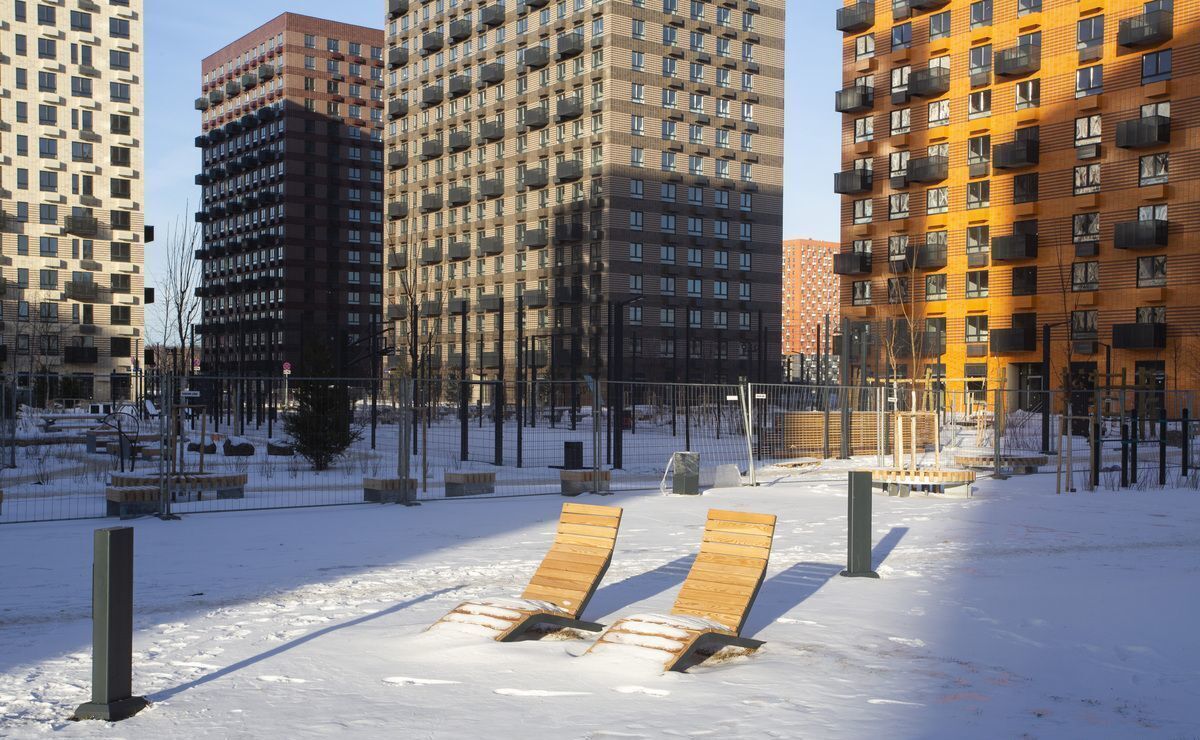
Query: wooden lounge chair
x=716, y=597
x=562, y=586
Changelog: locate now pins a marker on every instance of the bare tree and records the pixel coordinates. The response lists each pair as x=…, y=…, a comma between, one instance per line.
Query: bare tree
x=179, y=308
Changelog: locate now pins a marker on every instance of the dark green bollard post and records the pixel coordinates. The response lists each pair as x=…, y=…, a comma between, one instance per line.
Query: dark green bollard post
x=112, y=628
x=1162, y=446
x=1184, y=444
x=858, y=559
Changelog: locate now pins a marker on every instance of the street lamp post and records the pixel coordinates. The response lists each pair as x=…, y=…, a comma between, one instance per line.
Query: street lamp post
x=616, y=375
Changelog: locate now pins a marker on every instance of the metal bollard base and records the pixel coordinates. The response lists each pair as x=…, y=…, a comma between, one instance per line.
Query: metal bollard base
x=114, y=711
x=867, y=574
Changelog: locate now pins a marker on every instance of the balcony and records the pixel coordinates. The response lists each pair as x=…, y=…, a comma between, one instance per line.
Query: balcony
x=856, y=18
x=79, y=290
x=264, y=114
x=1142, y=133
x=216, y=96
x=458, y=86
x=490, y=246
x=458, y=196
x=569, y=45
x=397, y=159
x=397, y=211
x=397, y=261
x=431, y=42
x=1146, y=29
x=537, y=57
x=925, y=344
x=397, y=108
x=431, y=202
x=459, y=250
x=232, y=88
x=493, y=188
x=534, y=239
x=929, y=82
x=1009, y=341
x=1016, y=155
x=200, y=141
x=854, y=99
x=249, y=80
x=458, y=306
x=430, y=256
x=202, y=103
x=431, y=96
x=534, y=298
x=853, y=182
x=397, y=312
x=202, y=179
x=534, y=179
x=535, y=358
x=266, y=72
x=81, y=225
x=490, y=360
x=852, y=263
x=568, y=170
x=492, y=73
x=202, y=217
x=1018, y=61
x=490, y=302
x=431, y=149
x=459, y=141
x=80, y=355
x=458, y=30
x=431, y=308
x=569, y=232
x=536, y=118
x=1139, y=336
x=931, y=256
x=927, y=4
x=1015, y=247
x=397, y=57
x=491, y=131
x=492, y=16
x=397, y=8
x=928, y=169
x=1149, y=234
x=568, y=109
x=567, y=295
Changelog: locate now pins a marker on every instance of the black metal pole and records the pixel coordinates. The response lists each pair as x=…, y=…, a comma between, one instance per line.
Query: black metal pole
x=1184, y=443
x=520, y=379
x=498, y=396
x=1045, y=389
x=463, y=438
x=1162, y=445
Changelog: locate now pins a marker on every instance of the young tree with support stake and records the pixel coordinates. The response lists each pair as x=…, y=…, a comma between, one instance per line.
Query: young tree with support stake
x=322, y=425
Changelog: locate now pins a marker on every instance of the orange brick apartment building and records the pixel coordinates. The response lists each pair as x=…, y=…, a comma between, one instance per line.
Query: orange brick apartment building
x=1015, y=164
x=810, y=293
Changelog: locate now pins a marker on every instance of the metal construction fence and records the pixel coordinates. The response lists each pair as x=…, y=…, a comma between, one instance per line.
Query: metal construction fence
x=198, y=444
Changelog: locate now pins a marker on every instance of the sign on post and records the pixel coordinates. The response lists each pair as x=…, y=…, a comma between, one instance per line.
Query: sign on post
x=287, y=368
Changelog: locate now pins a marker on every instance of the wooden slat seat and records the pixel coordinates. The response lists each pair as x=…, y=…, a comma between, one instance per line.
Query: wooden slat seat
x=562, y=585
x=715, y=599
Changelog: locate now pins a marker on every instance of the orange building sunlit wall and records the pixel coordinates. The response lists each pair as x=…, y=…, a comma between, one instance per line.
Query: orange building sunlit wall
x=810, y=292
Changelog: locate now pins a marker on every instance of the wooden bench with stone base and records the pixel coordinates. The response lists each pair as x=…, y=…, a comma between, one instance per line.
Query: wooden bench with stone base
x=575, y=482
x=389, y=491
x=561, y=587
x=715, y=599
x=128, y=502
x=901, y=482
x=469, y=483
x=186, y=486
x=1010, y=464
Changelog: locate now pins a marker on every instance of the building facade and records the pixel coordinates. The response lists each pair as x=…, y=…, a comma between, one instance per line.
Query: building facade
x=597, y=165
x=811, y=295
x=292, y=204
x=71, y=193
x=1019, y=166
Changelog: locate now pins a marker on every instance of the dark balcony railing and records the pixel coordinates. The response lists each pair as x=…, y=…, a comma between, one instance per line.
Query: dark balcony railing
x=493, y=188
x=569, y=232
x=457, y=305
x=491, y=131
x=925, y=344
x=459, y=141
x=928, y=169
x=854, y=99
x=1019, y=60
x=458, y=86
x=459, y=250
x=1017, y=339
x=397, y=210
x=397, y=8
x=537, y=118
x=431, y=149
x=458, y=30
x=1144, y=132
x=397, y=159
x=1016, y=154
x=397, y=312
x=249, y=80
x=79, y=290
x=931, y=256
x=431, y=202
x=491, y=360
x=81, y=225
x=431, y=96
x=431, y=255
x=458, y=196
x=537, y=57
x=492, y=15
x=929, y=82
x=568, y=170
x=431, y=308
x=852, y=263
x=927, y=4
x=568, y=109
x=431, y=42
x=565, y=295
x=535, y=179
x=855, y=18
x=1146, y=29
x=1149, y=234
x=534, y=298
x=1139, y=336
x=80, y=355
x=853, y=182
x=534, y=239
x=202, y=103
x=490, y=245
x=1014, y=247
x=492, y=73
x=569, y=45
x=397, y=57
x=397, y=261
x=490, y=302
x=397, y=108
x=266, y=72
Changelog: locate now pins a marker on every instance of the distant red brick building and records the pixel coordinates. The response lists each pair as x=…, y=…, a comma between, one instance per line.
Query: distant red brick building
x=810, y=291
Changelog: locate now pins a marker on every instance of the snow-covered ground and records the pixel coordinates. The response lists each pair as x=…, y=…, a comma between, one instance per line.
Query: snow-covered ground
x=1015, y=613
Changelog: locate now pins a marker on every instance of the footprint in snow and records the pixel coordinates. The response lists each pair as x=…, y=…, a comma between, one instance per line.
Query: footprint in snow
x=405, y=681
x=640, y=690
x=911, y=642
x=281, y=679
x=539, y=692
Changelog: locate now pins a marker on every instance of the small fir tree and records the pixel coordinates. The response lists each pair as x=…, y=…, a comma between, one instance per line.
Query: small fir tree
x=322, y=425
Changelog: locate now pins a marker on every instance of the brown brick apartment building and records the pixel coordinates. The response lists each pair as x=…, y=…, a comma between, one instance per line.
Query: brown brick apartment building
x=292, y=148
x=591, y=158
x=1016, y=164
x=811, y=292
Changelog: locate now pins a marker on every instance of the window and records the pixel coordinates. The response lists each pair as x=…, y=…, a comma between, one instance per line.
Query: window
x=935, y=287
x=979, y=64
x=1152, y=271
x=979, y=104
x=118, y=27
x=979, y=149
x=976, y=329
x=901, y=121
x=1156, y=66
x=120, y=315
x=635, y=251
x=1029, y=94
x=898, y=290
x=1085, y=228
x=1152, y=315
x=900, y=76
x=939, y=113
x=1024, y=281
x=639, y=29
x=1024, y=7
x=898, y=205
x=1087, y=130
x=1087, y=179
x=1085, y=276
x=981, y=13
x=937, y=200
x=862, y=211
x=977, y=284
x=639, y=61
x=902, y=36
x=1025, y=188
x=1153, y=168
x=864, y=46
x=1089, y=81
x=861, y=293
x=939, y=25
x=864, y=129
x=1152, y=213
x=1083, y=324
x=1089, y=35
x=637, y=188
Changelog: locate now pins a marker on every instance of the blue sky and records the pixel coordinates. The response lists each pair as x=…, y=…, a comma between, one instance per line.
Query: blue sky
x=180, y=34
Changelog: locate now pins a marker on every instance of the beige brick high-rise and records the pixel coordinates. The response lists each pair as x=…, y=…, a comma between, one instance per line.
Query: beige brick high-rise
x=588, y=157
x=71, y=190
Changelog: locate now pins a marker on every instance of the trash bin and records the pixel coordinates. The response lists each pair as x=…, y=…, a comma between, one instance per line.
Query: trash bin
x=686, y=478
x=572, y=455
